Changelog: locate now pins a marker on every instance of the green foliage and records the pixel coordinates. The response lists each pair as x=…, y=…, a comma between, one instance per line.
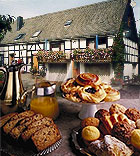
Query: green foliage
x=5, y=24
x=33, y=70
x=118, y=54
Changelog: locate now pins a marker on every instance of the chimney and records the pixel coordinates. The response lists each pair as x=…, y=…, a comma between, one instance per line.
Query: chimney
x=19, y=22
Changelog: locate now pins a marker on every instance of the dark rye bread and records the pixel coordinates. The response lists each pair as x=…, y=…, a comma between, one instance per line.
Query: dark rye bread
x=15, y=119
x=35, y=126
x=16, y=132
x=46, y=137
x=4, y=119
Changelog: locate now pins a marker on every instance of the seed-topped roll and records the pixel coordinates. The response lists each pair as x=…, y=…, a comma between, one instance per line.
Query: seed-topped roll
x=88, y=79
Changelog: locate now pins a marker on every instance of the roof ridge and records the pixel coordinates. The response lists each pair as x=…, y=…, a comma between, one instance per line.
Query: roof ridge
x=75, y=8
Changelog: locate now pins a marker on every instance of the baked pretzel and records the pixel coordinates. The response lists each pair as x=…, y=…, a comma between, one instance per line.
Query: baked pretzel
x=112, y=95
x=88, y=79
x=92, y=94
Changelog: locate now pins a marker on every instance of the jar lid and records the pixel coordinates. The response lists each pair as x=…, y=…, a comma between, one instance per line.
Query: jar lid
x=45, y=91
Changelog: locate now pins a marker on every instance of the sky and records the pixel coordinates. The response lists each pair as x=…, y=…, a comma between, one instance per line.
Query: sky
x=32, y=8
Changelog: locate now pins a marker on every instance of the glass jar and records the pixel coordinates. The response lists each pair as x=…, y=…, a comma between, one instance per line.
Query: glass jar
x=44, y=101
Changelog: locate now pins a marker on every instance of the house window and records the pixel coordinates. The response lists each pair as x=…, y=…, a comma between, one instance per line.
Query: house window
x=20, y=36
x=36, y=34
x=68, y=23
x=55, y=46
x=102, y=40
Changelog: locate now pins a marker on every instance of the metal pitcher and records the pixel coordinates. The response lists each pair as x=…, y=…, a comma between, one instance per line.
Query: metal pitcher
x=13, y=90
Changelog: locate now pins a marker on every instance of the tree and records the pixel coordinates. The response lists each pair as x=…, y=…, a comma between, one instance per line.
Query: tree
x=118, y=55
x=5, y=24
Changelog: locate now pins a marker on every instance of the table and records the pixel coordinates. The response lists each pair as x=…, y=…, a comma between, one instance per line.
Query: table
x=68, y=119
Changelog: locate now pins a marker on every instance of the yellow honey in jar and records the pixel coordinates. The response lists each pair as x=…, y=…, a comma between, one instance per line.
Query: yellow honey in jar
x=46, y=105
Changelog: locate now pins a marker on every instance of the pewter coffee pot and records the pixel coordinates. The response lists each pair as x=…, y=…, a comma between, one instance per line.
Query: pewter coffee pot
x=13, y=90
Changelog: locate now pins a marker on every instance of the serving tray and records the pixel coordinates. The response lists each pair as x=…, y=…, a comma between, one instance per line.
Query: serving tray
x=78, y=142
x=7, y=146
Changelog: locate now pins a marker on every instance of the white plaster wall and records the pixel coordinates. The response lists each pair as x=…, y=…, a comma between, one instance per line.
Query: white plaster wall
x=67, y=44
x=62, y=46
x=11, y=47
x=16, y=47
x=102, y=46
x=74, y=44
x=102, y=70
x=110, y=41
x=57, y=72
x=67, y=52
x=23, y=53
x=92, y=45
x=128, y=70
x=82, y=43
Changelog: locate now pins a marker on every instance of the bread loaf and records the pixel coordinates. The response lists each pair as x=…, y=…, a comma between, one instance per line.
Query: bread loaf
x=15, y=119
x=46, y=137
x=16, y=132
x=4, y=119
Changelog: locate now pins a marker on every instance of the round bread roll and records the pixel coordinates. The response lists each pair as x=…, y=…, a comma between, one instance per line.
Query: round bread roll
x=138, y=123
x=88, y=79
x=112, y=95
x=135, y=138
x=92, y=94
x=117, y=109
x=90, y=121
x=90, y=133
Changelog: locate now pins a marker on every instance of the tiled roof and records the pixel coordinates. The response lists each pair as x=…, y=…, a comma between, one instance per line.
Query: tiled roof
x=102, y=18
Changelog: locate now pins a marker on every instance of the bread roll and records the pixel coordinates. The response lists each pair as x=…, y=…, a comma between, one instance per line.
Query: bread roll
x=90, y=121
x=90, y=133
x=135, y=138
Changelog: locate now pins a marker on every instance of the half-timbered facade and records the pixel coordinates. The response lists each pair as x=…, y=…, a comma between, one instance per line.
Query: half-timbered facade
x=92, y=26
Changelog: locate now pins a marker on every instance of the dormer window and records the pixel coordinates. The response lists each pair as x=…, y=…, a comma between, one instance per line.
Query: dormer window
x=20, y=36
x=36, y=34
x=68, y=23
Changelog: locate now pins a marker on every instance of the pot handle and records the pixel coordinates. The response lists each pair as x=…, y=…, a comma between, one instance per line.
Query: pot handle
x=1, y=69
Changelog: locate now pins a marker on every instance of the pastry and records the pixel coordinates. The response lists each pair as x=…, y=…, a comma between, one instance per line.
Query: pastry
x=73, y=97
x=90, y=133
x=101, y=113
x=90, y=121
x=92, y=94
x=117, y=109
x=135, y=138
x=111, y=95
x=68, y=85
x=138, y=123
x=133, y=114
x=109, y=146
x=122, y=130
x=105, y=85
x=88, y=79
